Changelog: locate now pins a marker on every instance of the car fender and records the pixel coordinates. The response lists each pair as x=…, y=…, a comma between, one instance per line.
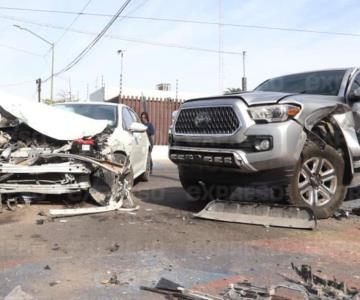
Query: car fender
x=343, y=117
x=119, y=142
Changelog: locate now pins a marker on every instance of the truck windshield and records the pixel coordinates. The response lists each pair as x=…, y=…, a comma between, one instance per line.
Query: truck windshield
x=318, y=83
x=94, y=111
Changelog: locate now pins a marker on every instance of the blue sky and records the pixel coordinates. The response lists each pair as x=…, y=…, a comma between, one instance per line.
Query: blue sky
x=269, y=53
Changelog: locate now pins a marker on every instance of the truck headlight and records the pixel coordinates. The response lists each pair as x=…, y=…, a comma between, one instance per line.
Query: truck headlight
x=273, y=113
x=173, y=116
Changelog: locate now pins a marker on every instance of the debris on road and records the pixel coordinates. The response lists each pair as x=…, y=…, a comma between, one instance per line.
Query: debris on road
x=172, y=289
x=310, y=287
x=113, y=280
x=40, y=222
x=351, y=207
x=259, y=214
x=114, y=248
x=246, y=290
x=12, y=203
x=71, y=212
x=53, y=283
x=42, y=214
x=317, y=286
x=18, y=294
x=47, y=267
x=341, y=214
x=56, y=247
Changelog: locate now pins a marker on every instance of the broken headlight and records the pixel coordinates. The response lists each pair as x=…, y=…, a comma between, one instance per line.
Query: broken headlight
x=273, y=113
x=83, y=146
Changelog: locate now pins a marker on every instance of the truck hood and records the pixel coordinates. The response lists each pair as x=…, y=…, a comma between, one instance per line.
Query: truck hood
x=51, y=121
x=254, y=98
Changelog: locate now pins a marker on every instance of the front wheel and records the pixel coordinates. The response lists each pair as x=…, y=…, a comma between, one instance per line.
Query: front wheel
x=318, y=180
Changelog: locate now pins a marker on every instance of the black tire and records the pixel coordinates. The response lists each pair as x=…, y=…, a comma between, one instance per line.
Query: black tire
x=311, y=186
x=146, y=175
x=202, y=191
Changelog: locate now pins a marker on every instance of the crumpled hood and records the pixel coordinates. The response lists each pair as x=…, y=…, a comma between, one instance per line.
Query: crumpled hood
x=254, y=98
x=51, y=121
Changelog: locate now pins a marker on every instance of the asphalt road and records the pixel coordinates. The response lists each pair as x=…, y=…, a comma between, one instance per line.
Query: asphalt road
x=72, y=258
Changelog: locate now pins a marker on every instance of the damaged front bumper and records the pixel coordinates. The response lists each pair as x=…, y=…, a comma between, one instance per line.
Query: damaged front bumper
x=55, y=173
x=238, y=154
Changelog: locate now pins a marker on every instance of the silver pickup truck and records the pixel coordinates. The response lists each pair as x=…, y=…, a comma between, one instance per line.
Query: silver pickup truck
x=298, y=132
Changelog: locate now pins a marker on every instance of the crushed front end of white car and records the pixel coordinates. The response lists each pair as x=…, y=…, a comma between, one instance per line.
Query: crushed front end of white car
x=47, y=150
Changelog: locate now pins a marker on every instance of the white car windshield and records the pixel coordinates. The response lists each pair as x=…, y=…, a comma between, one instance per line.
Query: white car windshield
x=94, y=111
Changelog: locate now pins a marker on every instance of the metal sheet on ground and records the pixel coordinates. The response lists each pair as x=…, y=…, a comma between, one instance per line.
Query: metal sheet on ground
x=259, y=214
x=70, y=212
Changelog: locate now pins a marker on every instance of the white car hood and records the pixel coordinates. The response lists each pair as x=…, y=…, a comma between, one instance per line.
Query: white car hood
x=52, y=121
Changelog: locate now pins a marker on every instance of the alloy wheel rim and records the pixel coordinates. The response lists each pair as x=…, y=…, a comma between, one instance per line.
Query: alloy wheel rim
x=317, y=181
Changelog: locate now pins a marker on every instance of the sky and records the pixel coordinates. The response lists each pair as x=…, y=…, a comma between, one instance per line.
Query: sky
x=269, y=53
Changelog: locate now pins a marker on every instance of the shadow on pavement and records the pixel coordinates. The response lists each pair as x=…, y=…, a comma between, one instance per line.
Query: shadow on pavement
x=173, y=197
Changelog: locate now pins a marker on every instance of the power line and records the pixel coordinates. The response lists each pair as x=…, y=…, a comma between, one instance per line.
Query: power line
x=20, y=50
x=81, y=13
x=86, y=50
x=187, y=21
x=73, y=22
x=125, y=39
x=17, y=83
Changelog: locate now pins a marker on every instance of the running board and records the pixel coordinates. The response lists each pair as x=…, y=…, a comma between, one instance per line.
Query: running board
x=259, y=214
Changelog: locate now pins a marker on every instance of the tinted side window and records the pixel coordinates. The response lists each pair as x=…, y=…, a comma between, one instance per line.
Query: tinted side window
x=356, y=83
x=127, y=118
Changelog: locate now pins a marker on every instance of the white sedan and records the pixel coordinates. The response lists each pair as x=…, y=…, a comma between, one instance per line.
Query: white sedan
x=128, y=137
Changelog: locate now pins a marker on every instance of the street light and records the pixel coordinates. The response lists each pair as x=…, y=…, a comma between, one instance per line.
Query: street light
x=121, y=53
x=244, y=80
x=52, y=58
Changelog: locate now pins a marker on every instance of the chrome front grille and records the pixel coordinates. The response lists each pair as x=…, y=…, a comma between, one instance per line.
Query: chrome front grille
x=207, y=121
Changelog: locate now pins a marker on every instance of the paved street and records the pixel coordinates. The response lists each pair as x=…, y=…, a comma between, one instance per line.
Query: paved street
x=161, y=240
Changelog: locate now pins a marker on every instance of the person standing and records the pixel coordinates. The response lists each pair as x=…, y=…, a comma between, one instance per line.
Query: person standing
x=150, y=133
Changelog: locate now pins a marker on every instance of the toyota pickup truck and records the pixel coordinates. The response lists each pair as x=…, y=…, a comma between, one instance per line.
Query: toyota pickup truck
x=298, y=132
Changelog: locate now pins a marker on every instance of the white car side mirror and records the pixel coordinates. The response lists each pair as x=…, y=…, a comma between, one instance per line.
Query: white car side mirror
x=137, y=127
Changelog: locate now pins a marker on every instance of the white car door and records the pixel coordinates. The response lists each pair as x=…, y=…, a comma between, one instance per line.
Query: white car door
x=142, y=144
x=137, y=141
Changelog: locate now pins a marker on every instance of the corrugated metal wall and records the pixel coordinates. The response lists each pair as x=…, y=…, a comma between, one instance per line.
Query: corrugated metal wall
x=159, y=110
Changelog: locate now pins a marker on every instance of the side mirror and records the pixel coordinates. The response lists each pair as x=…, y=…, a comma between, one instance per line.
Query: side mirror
x=355, y=95
x=137, y=127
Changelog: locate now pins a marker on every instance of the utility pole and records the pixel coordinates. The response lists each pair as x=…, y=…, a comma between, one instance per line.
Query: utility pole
x=52, y=71
x=87, y=92
x=143, y=100
x=38, y=85
x=220, y=50
x=244, y=79
x=52, y=45
x=70, y=92
x=177, y=90
x=121, y=53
